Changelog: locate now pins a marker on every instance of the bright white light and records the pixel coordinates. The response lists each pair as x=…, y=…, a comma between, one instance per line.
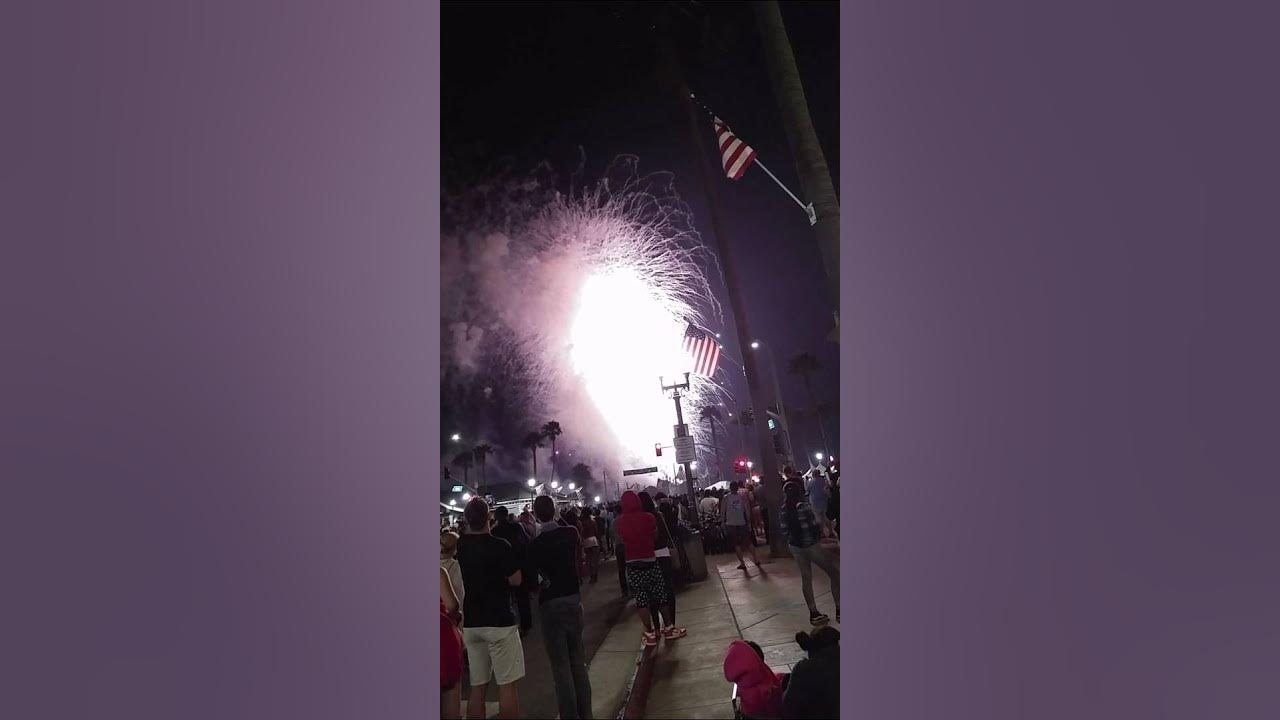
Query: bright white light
x=466, y=496
x=717, y=334
x=531, y=482
x=755, y=344
x=555, y=484
x=456, y=437
x=693, y=465
x=597, y=498
x=453, y=501
x=624, y=338
x=750, y=464
x=818, y=455
x=572, y=486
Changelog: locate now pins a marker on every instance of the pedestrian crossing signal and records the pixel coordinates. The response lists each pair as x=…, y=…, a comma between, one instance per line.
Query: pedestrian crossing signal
x=657, y=449
x=740, y=466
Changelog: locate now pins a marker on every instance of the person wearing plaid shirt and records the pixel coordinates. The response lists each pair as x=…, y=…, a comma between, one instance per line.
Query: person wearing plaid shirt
x=801, y=528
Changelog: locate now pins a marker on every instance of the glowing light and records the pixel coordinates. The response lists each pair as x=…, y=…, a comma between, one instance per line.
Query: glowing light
x=755, y=344
x=624, y=338
x=818, y=455
x=531, y=482
x=750, y=464
x=453, y=501
x=693, y=465
x=555, y=484
x=455, y=437
x=572, y=486
x=466, y=496
x=597, y=498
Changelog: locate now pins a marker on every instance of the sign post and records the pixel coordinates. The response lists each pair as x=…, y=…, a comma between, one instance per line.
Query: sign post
x=685, y=453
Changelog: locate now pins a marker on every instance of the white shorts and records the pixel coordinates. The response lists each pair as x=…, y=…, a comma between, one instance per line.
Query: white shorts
x=494, y=651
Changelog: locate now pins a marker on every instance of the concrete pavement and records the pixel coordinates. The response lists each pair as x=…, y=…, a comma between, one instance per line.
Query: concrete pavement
x=685, y=678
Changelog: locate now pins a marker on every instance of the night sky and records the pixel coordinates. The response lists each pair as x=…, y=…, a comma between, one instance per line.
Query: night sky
x=530, y=82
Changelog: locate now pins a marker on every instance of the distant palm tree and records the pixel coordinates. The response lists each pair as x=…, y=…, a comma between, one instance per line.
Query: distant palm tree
x=805, y=365
x=532, y=441
x=581, y=475
x=482, y=452
x=712, y=415
x=552, y=431
x=465, y=460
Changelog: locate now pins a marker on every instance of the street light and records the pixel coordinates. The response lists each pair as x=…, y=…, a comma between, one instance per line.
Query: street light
x=755, y=344
x=531, y=482
x=555, y=484
x=750, y=464
x=572, y=486
x=597, y=498
x=817, y=456
x=455, y=437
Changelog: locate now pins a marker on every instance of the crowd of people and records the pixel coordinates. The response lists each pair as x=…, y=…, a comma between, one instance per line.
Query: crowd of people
x=494, y=563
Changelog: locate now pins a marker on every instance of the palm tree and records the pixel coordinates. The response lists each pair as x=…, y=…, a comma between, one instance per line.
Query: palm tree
x=581, y=475
x=805, y=365
x=811, y=165
x=532, y=441
x=481, y=452
x=465, y=460
x=712, y=414
x=552, y=430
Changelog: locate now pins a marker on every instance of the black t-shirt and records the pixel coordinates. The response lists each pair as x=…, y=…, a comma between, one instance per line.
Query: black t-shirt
x=554, y=554
x=486, y=563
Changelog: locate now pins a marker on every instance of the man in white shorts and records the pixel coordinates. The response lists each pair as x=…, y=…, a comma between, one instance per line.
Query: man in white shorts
x=490, y=568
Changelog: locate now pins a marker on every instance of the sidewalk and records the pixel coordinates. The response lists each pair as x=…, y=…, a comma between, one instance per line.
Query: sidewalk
x=685, y=678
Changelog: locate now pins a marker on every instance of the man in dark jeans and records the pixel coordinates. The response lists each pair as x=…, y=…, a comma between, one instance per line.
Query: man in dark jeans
x=553, y=552
x=508, y=529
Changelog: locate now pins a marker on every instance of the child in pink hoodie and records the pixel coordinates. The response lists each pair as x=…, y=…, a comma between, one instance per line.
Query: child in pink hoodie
x=759, y=688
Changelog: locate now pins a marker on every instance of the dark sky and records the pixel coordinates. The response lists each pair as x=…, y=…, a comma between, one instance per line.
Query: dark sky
x=535, y=81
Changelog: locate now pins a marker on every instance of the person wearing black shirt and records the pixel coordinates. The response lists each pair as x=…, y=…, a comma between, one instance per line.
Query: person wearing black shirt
x=490, y=568
x=508, y=529
x=554, y=552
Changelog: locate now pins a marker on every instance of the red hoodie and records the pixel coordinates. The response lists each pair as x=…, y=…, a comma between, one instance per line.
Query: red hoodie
x=637, y=528
x=759, y=688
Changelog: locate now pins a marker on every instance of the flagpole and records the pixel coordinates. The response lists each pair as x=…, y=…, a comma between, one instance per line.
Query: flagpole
x=813, y=217
x=808, y=209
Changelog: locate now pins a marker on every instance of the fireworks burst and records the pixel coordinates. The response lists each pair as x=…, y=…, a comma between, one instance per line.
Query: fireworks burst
x=579, y=302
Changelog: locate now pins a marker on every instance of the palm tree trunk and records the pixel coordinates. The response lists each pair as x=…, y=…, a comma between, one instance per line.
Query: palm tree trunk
x=553, y=457
x=811, y=165
x=535, y=462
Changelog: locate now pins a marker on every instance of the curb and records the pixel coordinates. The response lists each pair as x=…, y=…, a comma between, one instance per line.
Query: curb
x=637, y=696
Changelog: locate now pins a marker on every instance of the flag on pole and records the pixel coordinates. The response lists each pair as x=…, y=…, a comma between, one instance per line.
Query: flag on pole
x=735, y=155
x=704, y=350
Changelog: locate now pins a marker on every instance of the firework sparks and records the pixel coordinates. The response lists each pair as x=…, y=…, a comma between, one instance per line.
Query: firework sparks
x=581, y=299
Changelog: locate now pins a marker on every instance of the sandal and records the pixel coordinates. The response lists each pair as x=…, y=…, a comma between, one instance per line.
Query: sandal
x=650, y=638
x=671, y=632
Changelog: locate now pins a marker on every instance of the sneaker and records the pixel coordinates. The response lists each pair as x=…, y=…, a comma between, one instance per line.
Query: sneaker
x=817, y=618
x=650, y=638
x=671, y=632
x=743, y=566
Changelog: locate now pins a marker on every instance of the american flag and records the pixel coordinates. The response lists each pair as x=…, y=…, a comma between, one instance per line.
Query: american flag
x=735, y=155
x=704, y=350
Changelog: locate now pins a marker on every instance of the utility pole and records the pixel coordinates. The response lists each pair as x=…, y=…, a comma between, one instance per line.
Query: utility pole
x=682, y=431
x=699, y=133
x=811, y=165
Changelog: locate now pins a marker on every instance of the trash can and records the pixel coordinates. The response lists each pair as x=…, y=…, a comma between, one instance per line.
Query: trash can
x=697, y=559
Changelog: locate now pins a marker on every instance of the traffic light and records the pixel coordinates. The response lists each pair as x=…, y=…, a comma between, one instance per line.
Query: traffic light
x=740, y=466
x=657, y=449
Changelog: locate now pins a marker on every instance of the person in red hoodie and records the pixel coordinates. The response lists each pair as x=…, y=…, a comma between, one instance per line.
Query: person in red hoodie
x=759, y=688
x=639, y=532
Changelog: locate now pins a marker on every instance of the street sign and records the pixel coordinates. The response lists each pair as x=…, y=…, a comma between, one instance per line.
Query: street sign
x=640, y=471
x=685, y=449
